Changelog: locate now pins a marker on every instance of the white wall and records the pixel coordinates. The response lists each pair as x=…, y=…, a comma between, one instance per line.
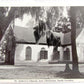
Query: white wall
x=61, y=50
x=80, y=52
x=20, y=54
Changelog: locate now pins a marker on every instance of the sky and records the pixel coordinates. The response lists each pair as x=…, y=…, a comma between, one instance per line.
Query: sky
x=26, y=22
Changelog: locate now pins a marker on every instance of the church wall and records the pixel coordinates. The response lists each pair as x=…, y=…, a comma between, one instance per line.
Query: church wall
x=20, y=53
x=62, y=50
x=80, y=52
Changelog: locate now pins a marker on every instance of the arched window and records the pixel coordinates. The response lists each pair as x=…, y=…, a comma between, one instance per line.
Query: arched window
x=67, y=54
x=28, y=53
x=43, y=53
x=56, y=55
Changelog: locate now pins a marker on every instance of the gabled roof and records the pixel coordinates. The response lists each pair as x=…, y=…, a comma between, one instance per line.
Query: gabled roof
x=23, y=34
x=67, y=36
x=26, y=35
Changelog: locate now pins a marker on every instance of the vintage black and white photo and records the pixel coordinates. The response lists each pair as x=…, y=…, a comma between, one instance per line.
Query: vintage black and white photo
x=43, y=42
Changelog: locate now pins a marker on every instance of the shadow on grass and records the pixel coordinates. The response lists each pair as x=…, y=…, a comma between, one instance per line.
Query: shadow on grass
x=70, y=75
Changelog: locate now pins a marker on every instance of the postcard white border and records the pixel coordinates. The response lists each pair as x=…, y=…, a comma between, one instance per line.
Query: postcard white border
x=27, y=3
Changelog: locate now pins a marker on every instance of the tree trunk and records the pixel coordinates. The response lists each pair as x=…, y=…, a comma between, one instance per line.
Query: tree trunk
x=6, y=21
x=75, y=67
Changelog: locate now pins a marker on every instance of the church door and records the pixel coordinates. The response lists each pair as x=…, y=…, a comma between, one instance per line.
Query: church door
x=67, y=54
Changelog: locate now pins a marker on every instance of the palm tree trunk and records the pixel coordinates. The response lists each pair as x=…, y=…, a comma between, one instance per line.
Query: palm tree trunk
x=75, y=67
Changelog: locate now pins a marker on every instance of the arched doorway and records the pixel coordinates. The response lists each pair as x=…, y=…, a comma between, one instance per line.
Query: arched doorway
x=43, y=53
x=67, y=54
x=28, y=53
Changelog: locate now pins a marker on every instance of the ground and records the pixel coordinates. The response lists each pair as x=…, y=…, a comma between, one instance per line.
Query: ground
x=37, y=71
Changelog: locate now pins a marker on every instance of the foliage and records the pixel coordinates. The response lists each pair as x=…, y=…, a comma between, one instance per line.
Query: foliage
x=63, y=25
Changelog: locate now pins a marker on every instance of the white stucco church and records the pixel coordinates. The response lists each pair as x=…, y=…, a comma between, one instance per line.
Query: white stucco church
x=27, y=49
x=66, y=42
